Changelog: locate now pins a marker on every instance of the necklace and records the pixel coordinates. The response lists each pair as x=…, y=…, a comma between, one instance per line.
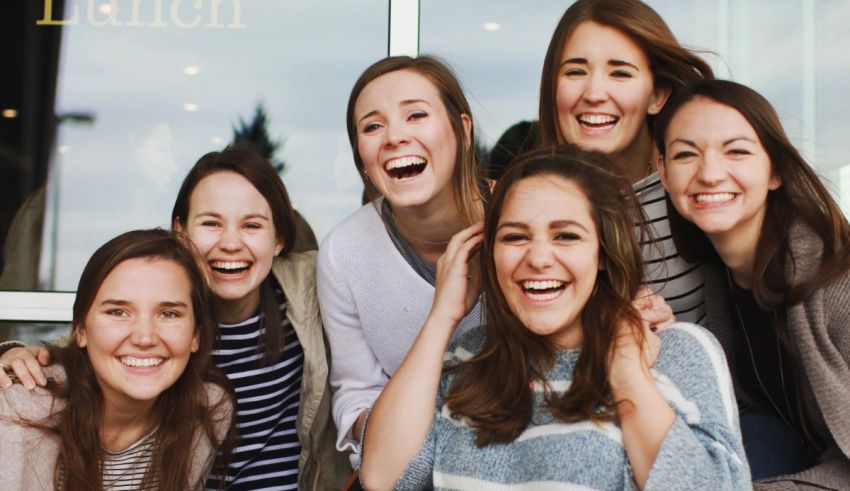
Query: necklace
x=753, y=360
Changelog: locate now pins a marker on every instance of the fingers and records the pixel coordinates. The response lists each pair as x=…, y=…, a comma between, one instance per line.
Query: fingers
x=462, y=241
x=653, y=309
x=5, y=381
x=25, y=363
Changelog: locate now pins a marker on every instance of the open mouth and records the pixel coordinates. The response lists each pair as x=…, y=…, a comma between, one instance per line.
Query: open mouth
x=230, y=267
x=133, y=362
x=540, y=290
x=713, y=198
x=405, y=167
x=597, y=121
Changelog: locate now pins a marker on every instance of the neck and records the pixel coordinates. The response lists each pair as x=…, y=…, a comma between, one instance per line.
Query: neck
x=124, y=424
x=428, y=231
x=635, y=160
x=738, y=254
x=236, y=311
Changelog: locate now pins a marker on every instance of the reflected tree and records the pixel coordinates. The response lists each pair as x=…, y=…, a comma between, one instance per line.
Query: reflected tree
x=256, y=133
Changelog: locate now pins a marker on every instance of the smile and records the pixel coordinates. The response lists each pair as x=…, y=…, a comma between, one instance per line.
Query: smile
x=597, y=121
x=133, y=362
x=542, y=290
x=230, y=267
x=713, y=198
x=405, y=167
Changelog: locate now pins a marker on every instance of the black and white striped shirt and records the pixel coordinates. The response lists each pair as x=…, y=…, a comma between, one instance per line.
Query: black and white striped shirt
x=682, y=284
x=267, y=399
x=125, y=470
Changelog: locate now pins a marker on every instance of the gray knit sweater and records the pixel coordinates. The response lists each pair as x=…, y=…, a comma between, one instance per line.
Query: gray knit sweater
x=702, y=450
x=819, y=329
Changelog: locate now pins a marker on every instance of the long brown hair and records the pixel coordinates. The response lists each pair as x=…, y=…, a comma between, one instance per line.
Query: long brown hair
x=179, y=411
x=492, y=389
x=259, y=172
x=467, y=172
x=801, y=197
x=672, y=65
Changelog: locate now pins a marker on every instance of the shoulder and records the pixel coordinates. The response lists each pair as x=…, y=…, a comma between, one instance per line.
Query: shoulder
x=691, y=351
x=366, y=218
x=295, y=267
x=36, y=405
x=220, y=404
x=466, y=346
x=354, y=239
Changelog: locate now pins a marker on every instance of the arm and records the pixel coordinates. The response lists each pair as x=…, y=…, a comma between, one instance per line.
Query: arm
x=702, y=449
x=402, y=416
x=356, y=376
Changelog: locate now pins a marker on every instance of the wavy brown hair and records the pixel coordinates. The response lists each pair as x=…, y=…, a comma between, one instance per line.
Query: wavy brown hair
x=672, y=65
x=492, y=389
x=802, y=197
x=249, y=164
x=467, y=172
x=179, y=412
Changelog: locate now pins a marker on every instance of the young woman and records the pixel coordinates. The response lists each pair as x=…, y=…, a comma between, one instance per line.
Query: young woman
x=609, y=69
x=235, y=210
x=557, y=388
x=777, y=250
x=411, y=132
x=133, y=401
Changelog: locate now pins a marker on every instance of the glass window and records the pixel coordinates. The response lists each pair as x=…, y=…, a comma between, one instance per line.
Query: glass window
x=111, y=102
x=797, y=60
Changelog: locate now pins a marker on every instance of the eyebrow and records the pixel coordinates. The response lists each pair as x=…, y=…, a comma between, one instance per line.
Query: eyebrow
x=725, y=142
x=250, y=216
x=124, y=303
x=612, y=62
x=405, y=102
x=554, y=225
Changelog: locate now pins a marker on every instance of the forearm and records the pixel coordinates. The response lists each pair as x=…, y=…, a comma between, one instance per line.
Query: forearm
x=645, y=418
x=402, y=415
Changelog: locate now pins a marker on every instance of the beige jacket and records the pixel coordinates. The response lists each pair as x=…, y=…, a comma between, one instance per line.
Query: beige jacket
x=320, y=465
x=28, y=455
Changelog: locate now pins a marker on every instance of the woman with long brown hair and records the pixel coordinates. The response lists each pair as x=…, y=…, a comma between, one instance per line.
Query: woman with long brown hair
x=565, y=384
x=133, y=401
x=608, y=71
x=777, y=253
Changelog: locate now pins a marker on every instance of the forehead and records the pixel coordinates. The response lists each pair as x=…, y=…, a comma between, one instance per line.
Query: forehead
x=600, y=42
x=146, y=279
x=547, y=198
x=395, y=87
x=704, y=118
x=227, y=190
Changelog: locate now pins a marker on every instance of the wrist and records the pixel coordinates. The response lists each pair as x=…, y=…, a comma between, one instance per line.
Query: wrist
x=7, y=345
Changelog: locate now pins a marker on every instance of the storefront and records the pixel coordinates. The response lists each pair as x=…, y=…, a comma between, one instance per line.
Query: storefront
x=107, y=103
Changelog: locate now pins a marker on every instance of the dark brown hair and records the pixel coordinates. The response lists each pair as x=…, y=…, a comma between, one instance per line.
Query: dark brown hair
x=179, y=411
x=800, y=198
x=492, y=389
x=672, y=65
x=259, y=172
x=467, y=171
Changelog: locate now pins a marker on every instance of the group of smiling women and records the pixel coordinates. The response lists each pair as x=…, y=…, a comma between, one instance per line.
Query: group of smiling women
x=519, y=334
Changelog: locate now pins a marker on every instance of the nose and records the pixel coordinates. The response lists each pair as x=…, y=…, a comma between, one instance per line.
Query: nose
x=712, y=169
x=596, y=89
x=539, y=255
x=144, y=333
x=230, y=239
x=395, y=134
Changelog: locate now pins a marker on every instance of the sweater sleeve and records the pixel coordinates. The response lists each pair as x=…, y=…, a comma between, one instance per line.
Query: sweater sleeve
x=356, y=376
x=703, y=449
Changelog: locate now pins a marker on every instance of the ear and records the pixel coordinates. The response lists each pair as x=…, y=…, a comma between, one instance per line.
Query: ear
x=662, y=170
x=80, y=336
x=659, y=98
x=196, y=343
x=775, y=182
x=176, y=226
x=278, y=246
x=466, y=121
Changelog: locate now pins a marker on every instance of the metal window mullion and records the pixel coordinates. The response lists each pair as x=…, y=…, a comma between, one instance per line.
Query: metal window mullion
x=404, y=28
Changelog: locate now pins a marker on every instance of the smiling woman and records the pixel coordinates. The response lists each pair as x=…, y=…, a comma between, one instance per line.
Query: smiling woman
x=136, y=383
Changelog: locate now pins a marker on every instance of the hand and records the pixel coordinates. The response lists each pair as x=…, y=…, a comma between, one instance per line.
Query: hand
x=26, y=363
x=628, y=362
x=653, y=309
x=458, y=279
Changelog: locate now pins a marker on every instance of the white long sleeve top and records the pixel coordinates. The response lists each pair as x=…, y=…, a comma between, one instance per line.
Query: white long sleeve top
x=373, y=305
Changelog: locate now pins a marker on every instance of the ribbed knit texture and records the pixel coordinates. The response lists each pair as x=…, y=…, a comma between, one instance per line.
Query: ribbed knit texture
x=702, y=450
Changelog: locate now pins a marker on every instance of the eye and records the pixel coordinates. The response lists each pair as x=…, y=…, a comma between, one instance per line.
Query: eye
x=371, y=127
x=683, y=155
x=567, y=236
x=253, y=226
x=739, y=152
x=417, y=115
x=117, y=312
x=575, y=72
x=171, y=314
x=209, y=223
x=512, y=238
x=621, y=74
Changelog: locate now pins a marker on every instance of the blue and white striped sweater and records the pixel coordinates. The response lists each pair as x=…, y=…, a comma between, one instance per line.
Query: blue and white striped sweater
x=703, y=449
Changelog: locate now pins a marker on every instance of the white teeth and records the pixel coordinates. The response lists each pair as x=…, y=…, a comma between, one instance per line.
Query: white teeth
x=229, y=264
x=542, y=296
x=714, y=197
x=404, y=162
x=541, y=284
x=131, y=361
x=597, y=118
